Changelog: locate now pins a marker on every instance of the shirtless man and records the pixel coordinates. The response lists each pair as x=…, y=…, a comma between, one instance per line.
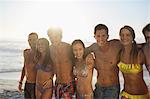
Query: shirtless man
x=61, y=54
x=28, y=69
x=146, y=48
x=106, y=59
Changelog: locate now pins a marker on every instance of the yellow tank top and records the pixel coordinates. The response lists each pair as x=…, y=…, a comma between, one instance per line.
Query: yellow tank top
x=129, y=68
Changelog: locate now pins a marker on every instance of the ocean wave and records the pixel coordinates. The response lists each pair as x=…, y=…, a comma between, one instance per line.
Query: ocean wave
x=9, y=70
x=12, y=46
x=10, y=50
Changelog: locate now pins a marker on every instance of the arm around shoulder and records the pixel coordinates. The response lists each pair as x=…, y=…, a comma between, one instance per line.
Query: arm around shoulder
x=116, y=43
x=90, y=60
x=90, y=49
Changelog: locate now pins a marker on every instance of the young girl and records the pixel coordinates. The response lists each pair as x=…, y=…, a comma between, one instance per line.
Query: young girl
x=83, y=70
x=44, y=78
x=131, y=61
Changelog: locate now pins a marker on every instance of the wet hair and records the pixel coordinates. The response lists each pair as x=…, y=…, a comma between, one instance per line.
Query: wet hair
x=78, y=41
x=146, y=29
x=100, y=27
x=47, y=59
x=33, y=33
x=134, y=50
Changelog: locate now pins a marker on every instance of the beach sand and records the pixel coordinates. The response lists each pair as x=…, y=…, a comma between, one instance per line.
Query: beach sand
x=9, y=84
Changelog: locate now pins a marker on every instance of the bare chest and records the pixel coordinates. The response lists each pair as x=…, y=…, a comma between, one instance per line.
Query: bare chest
x=58, y=53
x=106, y=59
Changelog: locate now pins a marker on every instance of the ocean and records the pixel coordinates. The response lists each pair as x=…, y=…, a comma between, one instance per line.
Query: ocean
x=11, y=55
x=11, y=60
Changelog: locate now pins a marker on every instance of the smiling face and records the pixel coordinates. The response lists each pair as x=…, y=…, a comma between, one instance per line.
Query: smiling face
x=126, y=37
x=78, y=50
x=42, y=45
x=101, y=37
x=32, y=39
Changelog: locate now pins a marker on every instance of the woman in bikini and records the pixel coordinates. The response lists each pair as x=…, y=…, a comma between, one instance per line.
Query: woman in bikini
x=83, y=70
x=44, y=78
x=131, y=61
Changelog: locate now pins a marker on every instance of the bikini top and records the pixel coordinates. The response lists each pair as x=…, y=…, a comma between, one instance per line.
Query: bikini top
x=82, y=72
x=129, y=68
x=45, y=69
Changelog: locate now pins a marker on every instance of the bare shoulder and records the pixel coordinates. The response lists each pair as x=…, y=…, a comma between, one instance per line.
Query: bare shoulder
x=115, y=43
x=26, y=51
x=92, y=46
x=65, y=44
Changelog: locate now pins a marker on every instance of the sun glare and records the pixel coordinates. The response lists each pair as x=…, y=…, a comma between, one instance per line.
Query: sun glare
x=77, y=18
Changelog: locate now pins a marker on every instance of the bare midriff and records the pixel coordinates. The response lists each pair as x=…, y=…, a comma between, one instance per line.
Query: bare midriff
x=107, y=77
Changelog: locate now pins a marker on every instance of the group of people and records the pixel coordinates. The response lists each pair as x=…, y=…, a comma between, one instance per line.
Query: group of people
x=73, y=65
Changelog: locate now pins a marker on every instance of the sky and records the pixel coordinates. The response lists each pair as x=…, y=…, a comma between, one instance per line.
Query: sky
x=77, y=18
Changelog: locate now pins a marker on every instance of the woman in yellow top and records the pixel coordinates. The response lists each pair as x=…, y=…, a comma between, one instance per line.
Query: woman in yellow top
x=131, y=61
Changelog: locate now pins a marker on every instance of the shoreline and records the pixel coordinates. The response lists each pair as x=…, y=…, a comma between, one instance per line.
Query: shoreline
x=8, y=89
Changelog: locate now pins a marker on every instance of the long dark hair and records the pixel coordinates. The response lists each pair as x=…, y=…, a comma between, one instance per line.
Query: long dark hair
x=134, y=50
x=47, y=58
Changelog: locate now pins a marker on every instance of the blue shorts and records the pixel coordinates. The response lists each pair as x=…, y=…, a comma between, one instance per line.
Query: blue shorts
x=111, y=92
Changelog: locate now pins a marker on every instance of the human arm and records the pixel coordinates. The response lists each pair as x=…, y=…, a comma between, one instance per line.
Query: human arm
x=142, y=60
x=89, y=49
x=22, y=72
x=90, y=61
x=21, y=79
